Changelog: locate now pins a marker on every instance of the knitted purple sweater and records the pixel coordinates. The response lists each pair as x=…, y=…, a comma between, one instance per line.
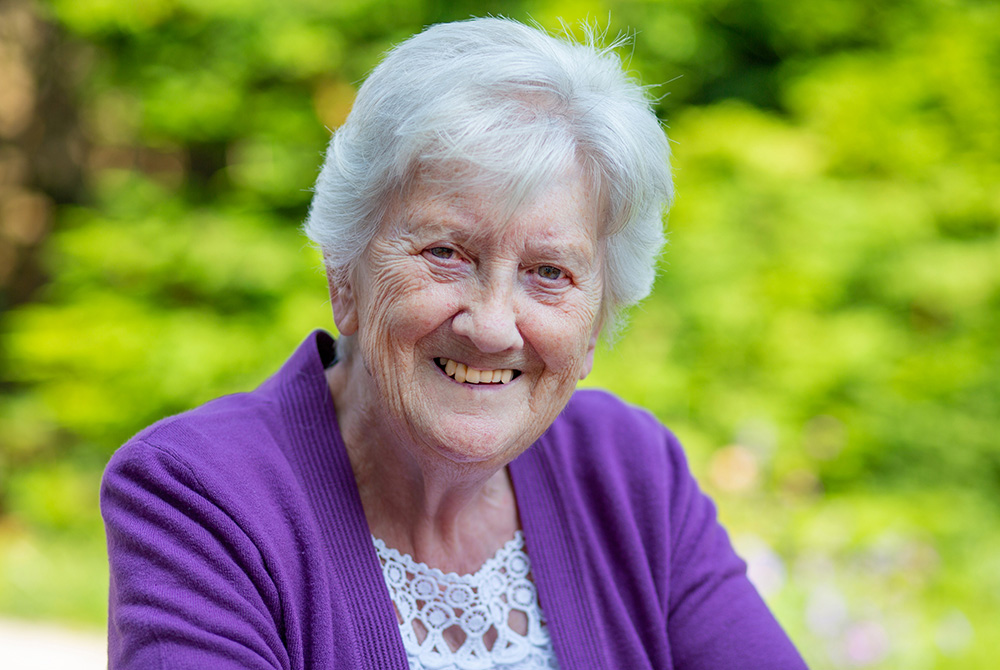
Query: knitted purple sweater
x=236, y=539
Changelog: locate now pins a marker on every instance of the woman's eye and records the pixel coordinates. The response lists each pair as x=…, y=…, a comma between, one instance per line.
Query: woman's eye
x=443, y=253
x=550, y=272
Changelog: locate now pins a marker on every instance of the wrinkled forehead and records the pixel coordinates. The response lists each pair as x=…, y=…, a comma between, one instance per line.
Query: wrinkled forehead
x=488, y=203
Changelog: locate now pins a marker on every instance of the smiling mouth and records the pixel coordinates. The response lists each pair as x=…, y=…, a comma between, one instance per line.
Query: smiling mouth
x=462, y=373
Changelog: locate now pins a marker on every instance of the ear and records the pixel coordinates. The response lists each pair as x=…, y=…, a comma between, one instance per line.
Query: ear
x=345, y=312
x=588, y=363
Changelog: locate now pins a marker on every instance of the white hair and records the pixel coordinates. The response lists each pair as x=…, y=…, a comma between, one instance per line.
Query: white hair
x=518, y=106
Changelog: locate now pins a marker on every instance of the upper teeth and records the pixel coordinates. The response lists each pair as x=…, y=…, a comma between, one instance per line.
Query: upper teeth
x=464, y=374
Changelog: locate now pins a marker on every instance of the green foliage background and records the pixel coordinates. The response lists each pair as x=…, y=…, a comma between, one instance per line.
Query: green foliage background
x=824, y=335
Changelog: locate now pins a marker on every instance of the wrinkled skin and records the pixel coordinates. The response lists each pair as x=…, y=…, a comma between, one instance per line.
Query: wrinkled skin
x=443, y=280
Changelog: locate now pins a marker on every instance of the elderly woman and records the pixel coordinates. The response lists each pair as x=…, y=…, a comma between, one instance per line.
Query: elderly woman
x=429, y=491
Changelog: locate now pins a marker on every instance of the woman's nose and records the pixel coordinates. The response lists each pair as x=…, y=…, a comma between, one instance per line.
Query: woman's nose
x=489, y=321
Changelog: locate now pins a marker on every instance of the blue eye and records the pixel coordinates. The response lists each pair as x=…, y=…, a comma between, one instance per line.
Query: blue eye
x=550, y=272
x=443, y=253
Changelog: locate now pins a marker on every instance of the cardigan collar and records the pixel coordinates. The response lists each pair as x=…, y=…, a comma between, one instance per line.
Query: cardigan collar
x=317, y=451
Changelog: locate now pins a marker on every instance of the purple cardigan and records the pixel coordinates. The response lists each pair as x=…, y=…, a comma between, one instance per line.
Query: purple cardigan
x=237, y=539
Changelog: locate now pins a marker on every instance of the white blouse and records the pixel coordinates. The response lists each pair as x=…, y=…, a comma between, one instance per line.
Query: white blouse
x=493, y=615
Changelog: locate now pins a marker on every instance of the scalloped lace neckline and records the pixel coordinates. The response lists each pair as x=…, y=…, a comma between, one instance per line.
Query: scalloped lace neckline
x=386, y=552
x=474, y=612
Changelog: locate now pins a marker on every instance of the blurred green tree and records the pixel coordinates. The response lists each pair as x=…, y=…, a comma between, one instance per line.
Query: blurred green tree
x=823, y=336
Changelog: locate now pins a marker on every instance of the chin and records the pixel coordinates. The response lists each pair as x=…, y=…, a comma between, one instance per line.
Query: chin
x=478, y=445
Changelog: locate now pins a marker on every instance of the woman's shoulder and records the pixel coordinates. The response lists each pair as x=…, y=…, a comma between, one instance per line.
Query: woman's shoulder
x=605, y=422
x=213, y=431
x=599, y=403
x=243, y=428
x=226, y=444
x=602, y=439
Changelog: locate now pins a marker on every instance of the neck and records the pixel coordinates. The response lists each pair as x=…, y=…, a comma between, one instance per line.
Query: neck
x=450, y=515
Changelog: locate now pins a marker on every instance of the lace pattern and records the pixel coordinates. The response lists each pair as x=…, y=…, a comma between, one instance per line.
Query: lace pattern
x=476, y=609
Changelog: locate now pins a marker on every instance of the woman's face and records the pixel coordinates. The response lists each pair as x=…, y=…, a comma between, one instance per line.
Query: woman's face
x=444, y=294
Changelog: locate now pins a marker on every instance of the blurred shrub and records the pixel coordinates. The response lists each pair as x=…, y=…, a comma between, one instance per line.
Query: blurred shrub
x=823, y=336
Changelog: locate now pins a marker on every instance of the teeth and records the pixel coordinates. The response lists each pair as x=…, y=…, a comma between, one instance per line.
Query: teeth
x=466, y=375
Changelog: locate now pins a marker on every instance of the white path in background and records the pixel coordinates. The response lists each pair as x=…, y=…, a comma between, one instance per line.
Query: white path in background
x=35, y=646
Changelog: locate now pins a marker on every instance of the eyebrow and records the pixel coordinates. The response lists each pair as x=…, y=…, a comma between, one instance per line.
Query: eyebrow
x=432, y=226
x=573, y=254
x=438, y=217
x=454, y=223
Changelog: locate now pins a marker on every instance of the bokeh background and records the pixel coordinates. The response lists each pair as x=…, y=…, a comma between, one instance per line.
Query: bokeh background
x=824, y=335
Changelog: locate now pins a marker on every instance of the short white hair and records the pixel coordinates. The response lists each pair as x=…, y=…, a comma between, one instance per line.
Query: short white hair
x=520, y=107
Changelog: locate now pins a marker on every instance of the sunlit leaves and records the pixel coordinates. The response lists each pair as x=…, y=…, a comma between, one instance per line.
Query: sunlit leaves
x=823, y=335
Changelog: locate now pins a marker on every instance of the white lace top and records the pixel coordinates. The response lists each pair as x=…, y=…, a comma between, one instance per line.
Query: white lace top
x=492, y=616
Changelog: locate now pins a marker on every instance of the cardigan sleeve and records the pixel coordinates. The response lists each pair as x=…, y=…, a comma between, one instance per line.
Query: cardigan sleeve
x=188, y=588
x=716, y=619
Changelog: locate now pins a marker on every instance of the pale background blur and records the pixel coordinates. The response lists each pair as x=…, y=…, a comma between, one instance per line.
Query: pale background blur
x=824, y=336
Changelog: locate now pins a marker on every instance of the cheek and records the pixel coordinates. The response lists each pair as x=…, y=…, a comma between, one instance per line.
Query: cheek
x=562, y=340
x=403, y=306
